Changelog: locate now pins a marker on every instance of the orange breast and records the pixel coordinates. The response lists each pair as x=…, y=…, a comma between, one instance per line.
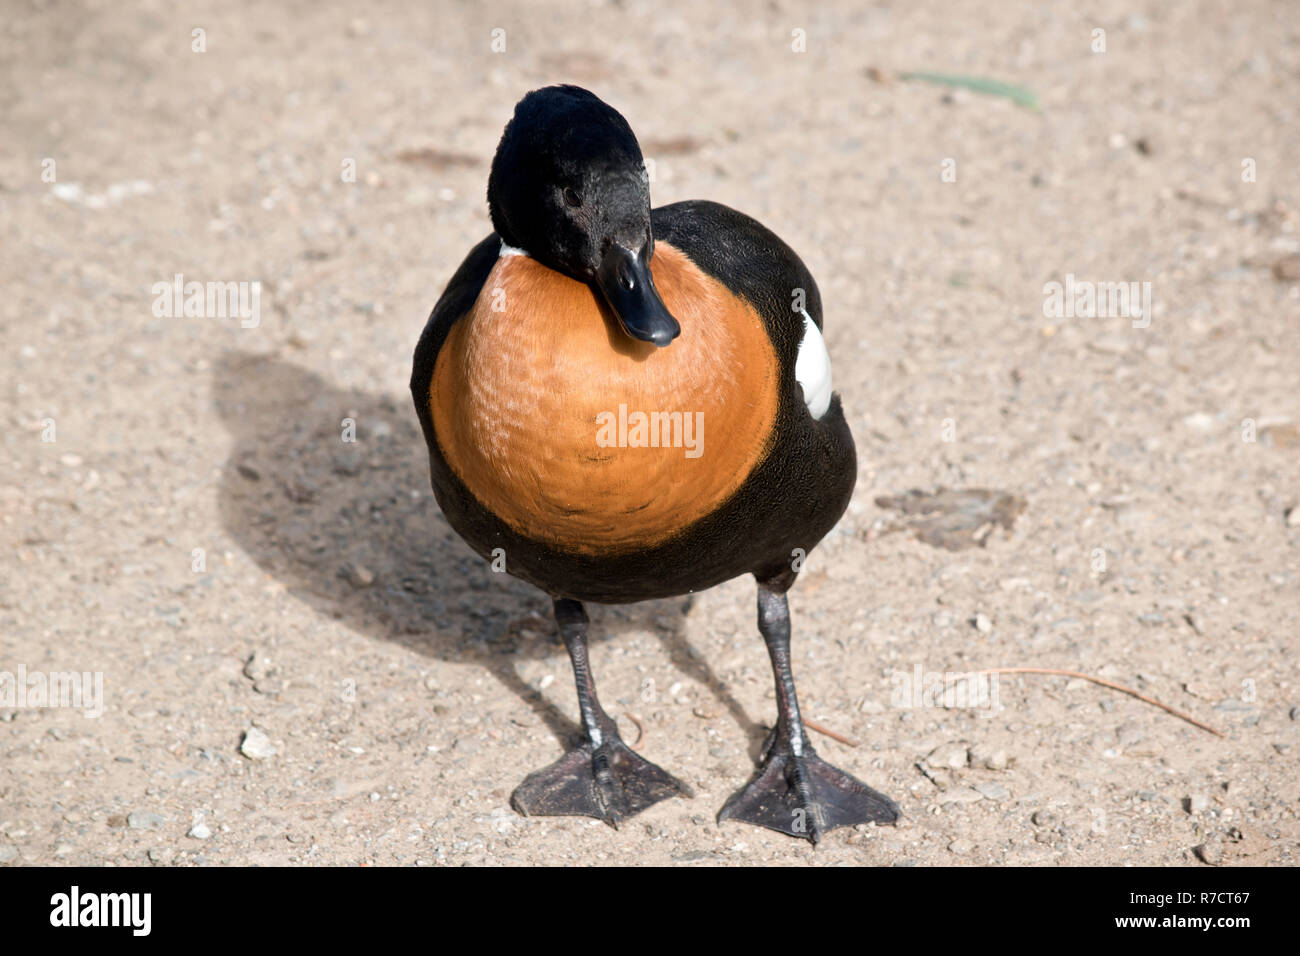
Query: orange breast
x=576, y=435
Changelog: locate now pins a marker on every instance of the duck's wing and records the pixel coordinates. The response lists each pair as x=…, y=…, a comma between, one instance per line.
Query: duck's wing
x=744, y=255
x=456, y=300
x=752, y=261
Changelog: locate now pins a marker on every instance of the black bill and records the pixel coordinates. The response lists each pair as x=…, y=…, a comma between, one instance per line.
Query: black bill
x=624, y=278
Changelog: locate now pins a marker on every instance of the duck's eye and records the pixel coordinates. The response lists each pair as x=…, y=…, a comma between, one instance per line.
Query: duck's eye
x=572, y=198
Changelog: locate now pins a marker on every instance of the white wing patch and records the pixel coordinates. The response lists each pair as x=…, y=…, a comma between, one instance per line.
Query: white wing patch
x=813, y=368
x=511, y=250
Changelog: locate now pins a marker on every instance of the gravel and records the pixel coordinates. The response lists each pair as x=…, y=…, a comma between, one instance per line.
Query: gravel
x=134, y=439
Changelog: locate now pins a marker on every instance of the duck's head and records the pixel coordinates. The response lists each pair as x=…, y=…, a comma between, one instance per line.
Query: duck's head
x=569, y=187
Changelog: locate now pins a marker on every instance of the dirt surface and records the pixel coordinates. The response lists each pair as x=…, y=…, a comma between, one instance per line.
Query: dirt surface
x=389, y=691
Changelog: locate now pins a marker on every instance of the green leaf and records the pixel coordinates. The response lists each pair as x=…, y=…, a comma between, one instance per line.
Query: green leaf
x=1017, y=94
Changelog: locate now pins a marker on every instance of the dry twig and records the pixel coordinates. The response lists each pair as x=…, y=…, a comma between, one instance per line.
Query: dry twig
x=1104, y=683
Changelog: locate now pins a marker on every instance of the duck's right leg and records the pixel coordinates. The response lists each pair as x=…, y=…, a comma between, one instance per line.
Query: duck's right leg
x=794, y=790
x=602, y=777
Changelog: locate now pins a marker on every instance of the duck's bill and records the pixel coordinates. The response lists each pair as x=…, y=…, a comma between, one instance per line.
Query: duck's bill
x=624, y=279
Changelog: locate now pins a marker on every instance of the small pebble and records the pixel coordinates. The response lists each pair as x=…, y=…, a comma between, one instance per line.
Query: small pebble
x=982, y=623
x=1211, y=853
x=8, y=853
x=1196, y=803
x=138, y=820
x=950, y=756
x=993, y=791
x=1287, y=269
x=1044, y=818
x=256, y=745
x=359, y=576
x=200, y=831
x=694, y=856
x=989, y=758
x=68, y=192
x=960, y=847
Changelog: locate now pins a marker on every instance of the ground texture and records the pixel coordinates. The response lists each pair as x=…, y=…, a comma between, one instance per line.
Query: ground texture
x=333, y=678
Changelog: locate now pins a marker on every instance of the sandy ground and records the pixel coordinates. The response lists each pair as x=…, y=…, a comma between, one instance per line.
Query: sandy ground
x=402, y=688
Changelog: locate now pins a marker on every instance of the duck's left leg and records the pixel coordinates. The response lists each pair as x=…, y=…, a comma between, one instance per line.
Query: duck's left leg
x=794, y=790
x=602, y=777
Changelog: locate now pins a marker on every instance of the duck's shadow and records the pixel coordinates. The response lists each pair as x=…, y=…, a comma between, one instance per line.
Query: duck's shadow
x=325, y=516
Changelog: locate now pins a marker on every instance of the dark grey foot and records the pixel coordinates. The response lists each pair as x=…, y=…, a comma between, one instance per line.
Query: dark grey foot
x=609, y=782
x=806, y=797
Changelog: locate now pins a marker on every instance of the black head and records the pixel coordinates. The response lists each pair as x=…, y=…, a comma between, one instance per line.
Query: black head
x=569, y=186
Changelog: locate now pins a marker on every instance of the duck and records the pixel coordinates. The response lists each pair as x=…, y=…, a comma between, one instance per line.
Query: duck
x=625, y=404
